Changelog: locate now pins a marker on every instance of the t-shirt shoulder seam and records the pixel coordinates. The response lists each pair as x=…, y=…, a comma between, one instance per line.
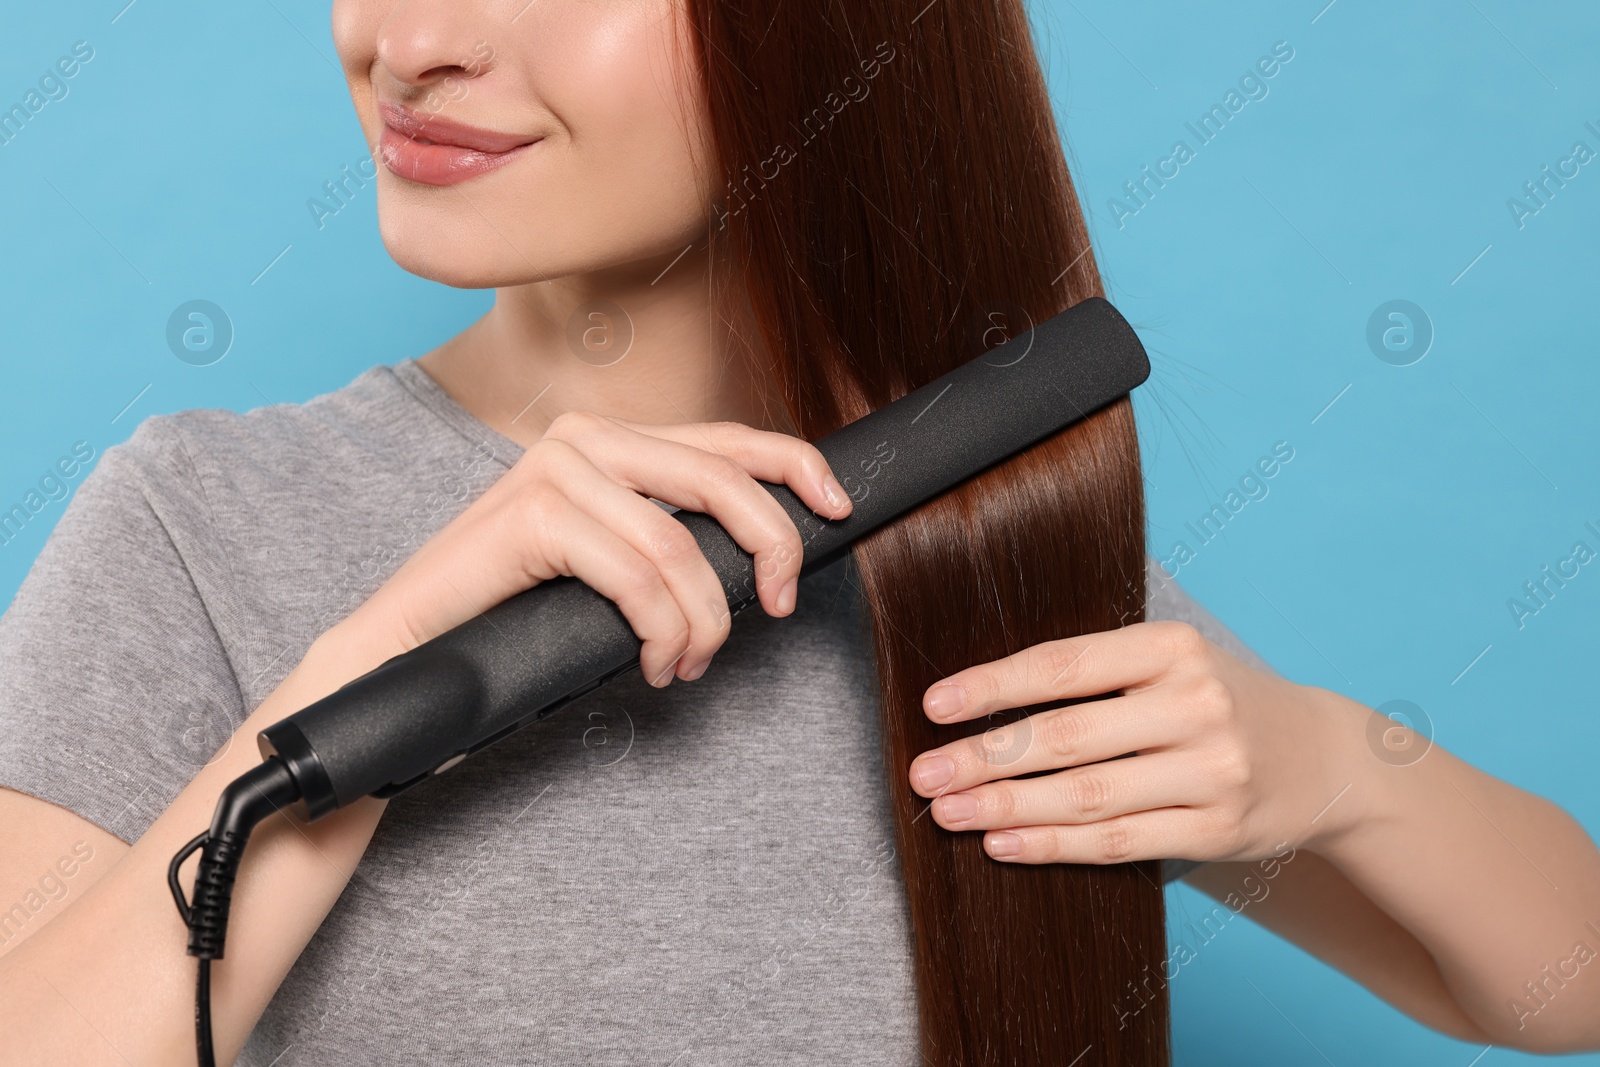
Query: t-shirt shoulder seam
x=175, y=426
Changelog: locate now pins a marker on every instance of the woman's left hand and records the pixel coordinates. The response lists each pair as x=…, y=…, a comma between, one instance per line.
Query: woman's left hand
x=1228, y=763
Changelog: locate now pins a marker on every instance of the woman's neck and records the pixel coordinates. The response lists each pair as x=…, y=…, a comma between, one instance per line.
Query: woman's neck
x=636, y=342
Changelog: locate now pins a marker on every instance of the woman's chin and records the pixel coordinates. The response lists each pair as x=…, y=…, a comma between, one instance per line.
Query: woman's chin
x=459, y=264
x=466, y=251
x=457, y=275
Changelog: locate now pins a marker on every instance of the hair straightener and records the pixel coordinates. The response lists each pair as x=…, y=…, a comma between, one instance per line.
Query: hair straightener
x=421, y=713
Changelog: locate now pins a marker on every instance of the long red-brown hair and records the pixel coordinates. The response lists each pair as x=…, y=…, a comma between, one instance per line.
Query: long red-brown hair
x=895, y=194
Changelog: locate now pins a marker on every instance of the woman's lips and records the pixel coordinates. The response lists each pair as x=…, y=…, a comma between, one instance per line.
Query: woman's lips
x=433, y=150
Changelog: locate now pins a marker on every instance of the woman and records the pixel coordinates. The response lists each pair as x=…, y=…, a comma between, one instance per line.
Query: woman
x=726, y=870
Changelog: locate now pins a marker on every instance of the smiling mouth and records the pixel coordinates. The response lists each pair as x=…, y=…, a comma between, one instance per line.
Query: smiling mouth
x=433, y=150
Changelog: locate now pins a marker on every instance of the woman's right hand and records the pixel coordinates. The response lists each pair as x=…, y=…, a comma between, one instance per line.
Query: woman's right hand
x=576, y=504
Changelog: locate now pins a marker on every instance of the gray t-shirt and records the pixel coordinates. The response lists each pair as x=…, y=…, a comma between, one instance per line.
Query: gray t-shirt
x=703, y=874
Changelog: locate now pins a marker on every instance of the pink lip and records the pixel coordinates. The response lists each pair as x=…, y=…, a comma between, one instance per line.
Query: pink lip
x=434, y=150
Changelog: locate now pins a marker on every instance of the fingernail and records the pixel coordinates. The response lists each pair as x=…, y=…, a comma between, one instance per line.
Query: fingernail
x=933, y=772
x=833, y=491
x=696, y=671
x=1003, y=845
x=786, y=595
x=944, y=700
x=957, y=807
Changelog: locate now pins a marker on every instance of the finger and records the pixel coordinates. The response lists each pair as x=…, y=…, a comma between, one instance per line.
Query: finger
x=772, y=457
x=1060, y=737
x=1165, y=833
x=1076, y=796
x=1057, y=670
x=709, y=482
x=661, y=540
x=598, y=557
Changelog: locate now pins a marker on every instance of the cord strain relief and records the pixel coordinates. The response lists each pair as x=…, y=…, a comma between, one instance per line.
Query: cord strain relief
x=213, y=894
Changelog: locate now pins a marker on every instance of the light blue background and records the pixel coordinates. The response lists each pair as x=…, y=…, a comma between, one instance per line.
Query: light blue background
x=1378, y=166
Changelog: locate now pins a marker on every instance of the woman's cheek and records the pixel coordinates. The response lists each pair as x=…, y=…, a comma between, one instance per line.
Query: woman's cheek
x=628, y=80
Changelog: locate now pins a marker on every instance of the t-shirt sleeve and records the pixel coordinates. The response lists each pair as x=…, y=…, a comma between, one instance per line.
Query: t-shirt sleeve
x=115, y=688
x=1166, y=600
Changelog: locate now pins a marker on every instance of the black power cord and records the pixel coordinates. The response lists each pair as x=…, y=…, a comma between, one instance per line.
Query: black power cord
x=246, y=801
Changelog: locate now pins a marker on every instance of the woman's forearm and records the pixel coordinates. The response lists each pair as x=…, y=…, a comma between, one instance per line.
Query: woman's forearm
x=108, y=979
x=1501, y=887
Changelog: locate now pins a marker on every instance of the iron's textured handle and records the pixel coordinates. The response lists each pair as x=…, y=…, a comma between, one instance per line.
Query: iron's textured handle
x=423, y=711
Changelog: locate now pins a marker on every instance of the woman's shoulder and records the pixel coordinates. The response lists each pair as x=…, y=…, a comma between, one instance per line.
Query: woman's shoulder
x=371, y=413
x=279, y=519
x=364, y=446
